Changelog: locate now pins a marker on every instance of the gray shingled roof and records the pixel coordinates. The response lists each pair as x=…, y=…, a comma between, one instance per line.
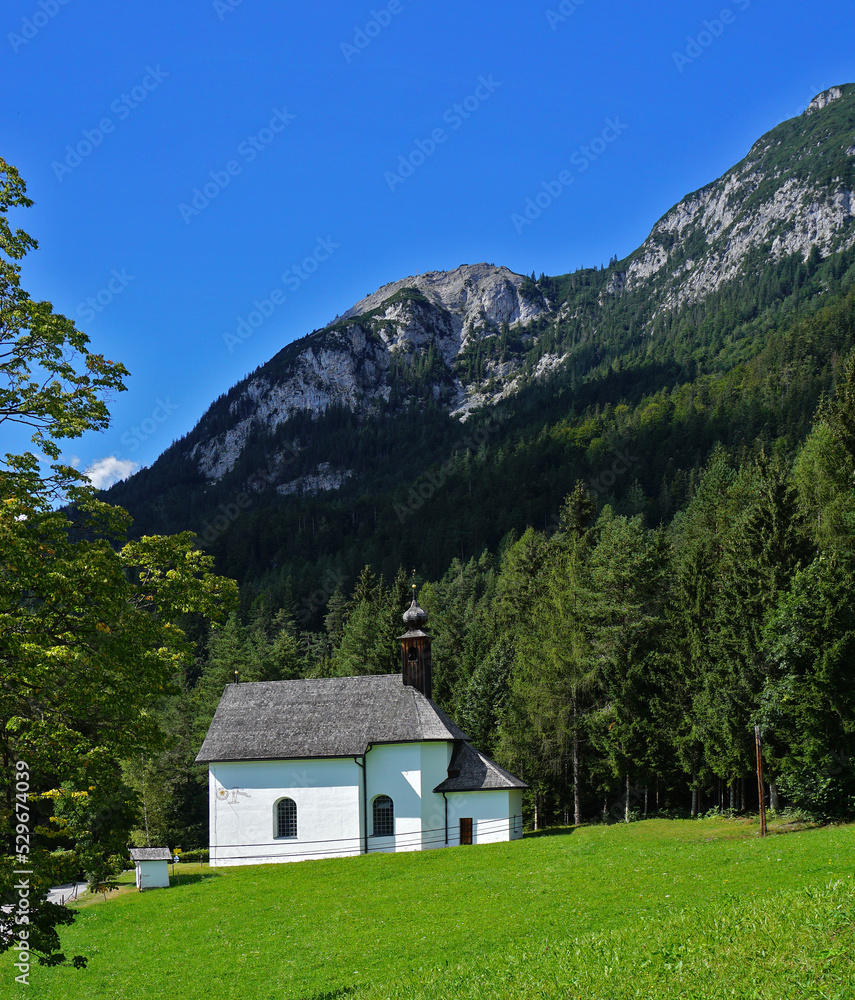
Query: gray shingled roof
x=324, y=717
x=151, y=854
x=471, y=771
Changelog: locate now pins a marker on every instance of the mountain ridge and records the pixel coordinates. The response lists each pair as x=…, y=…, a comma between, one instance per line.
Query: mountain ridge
x=784, y=222
x=693, y=249
x=725, y=264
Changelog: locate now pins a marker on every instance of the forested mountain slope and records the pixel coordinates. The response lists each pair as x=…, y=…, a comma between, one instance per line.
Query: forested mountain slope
x=477, y=397
x=627, y=493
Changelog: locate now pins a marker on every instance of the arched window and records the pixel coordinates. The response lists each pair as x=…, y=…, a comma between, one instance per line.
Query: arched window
x=384, y=817
x=286, y=818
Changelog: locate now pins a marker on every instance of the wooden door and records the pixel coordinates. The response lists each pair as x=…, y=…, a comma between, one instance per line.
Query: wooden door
x=466, y=831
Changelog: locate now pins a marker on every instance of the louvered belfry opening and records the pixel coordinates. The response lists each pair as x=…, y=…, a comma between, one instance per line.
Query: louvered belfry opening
x=415, y=649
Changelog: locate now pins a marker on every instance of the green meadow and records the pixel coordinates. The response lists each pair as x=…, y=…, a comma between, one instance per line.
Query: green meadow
x=653, y=909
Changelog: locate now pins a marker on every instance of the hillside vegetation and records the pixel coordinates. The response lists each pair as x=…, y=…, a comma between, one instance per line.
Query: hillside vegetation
x=638, y=549
x=644, y=551
x=619, y=668
x=658, y=909
x=724, y=327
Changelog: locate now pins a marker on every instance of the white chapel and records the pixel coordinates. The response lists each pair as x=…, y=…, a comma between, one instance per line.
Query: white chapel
x=350, y=765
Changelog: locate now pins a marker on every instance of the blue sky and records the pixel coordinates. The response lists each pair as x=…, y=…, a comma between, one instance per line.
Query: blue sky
x=189, y=159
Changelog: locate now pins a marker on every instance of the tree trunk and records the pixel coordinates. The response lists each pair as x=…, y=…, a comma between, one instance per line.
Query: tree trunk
x=145, y=811
x=565, y=796
x=626, y=807
x=577, y=799
x=535, y=811
x=694, y=797
x=774, y=801
x=645, y=801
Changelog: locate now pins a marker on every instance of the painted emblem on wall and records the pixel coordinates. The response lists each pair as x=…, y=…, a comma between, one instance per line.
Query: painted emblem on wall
x=230, y=795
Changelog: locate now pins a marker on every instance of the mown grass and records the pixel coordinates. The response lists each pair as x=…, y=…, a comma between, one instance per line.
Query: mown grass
x=654, y=909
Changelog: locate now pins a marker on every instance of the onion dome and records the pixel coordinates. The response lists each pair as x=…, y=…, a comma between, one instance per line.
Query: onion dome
x=415, y=617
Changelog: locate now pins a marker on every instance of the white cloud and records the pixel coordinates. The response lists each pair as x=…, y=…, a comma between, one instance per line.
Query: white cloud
x=106, y=471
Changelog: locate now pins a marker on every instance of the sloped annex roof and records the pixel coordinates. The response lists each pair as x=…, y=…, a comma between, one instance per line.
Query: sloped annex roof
x=151, y=854
x=323, y=717
x=470, y=771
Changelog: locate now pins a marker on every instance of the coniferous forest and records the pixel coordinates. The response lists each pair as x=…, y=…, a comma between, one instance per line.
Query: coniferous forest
x=546, y=323
x=630, y=562
x=617, y=649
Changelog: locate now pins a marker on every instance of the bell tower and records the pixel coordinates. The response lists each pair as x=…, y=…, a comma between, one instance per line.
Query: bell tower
x=415, y=649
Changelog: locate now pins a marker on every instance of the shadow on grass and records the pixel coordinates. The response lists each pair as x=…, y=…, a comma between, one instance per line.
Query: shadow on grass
x=194, y=879
x=345, y=991
x=552, y=831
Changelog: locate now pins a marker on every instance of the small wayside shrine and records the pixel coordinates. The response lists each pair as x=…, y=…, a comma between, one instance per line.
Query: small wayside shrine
x=335, y=766
x=152, y=866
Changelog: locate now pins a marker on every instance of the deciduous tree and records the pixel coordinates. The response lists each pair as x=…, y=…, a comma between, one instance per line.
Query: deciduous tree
x=88, y=626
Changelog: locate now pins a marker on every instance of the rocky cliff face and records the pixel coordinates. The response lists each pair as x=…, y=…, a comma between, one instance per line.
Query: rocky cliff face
x=472, y=295
x=779, y=199
x=824, y=99
x=795, y=190
x=348, y=362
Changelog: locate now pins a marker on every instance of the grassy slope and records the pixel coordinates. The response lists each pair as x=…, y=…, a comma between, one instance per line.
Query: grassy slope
x=657, y=908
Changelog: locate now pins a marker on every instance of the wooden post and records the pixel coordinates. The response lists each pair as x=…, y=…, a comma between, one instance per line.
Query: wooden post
x=760, y=783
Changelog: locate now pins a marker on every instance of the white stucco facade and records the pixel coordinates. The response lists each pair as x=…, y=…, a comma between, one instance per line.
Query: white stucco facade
x=329, y=767
x=496, y=815
x=334, y=800
x=243, y=799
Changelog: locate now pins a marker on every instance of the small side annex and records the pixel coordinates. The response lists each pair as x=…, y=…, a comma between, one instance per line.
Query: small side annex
x=349, y=765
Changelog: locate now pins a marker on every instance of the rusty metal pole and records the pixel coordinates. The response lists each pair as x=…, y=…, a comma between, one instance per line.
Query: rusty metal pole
x=760, y=783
